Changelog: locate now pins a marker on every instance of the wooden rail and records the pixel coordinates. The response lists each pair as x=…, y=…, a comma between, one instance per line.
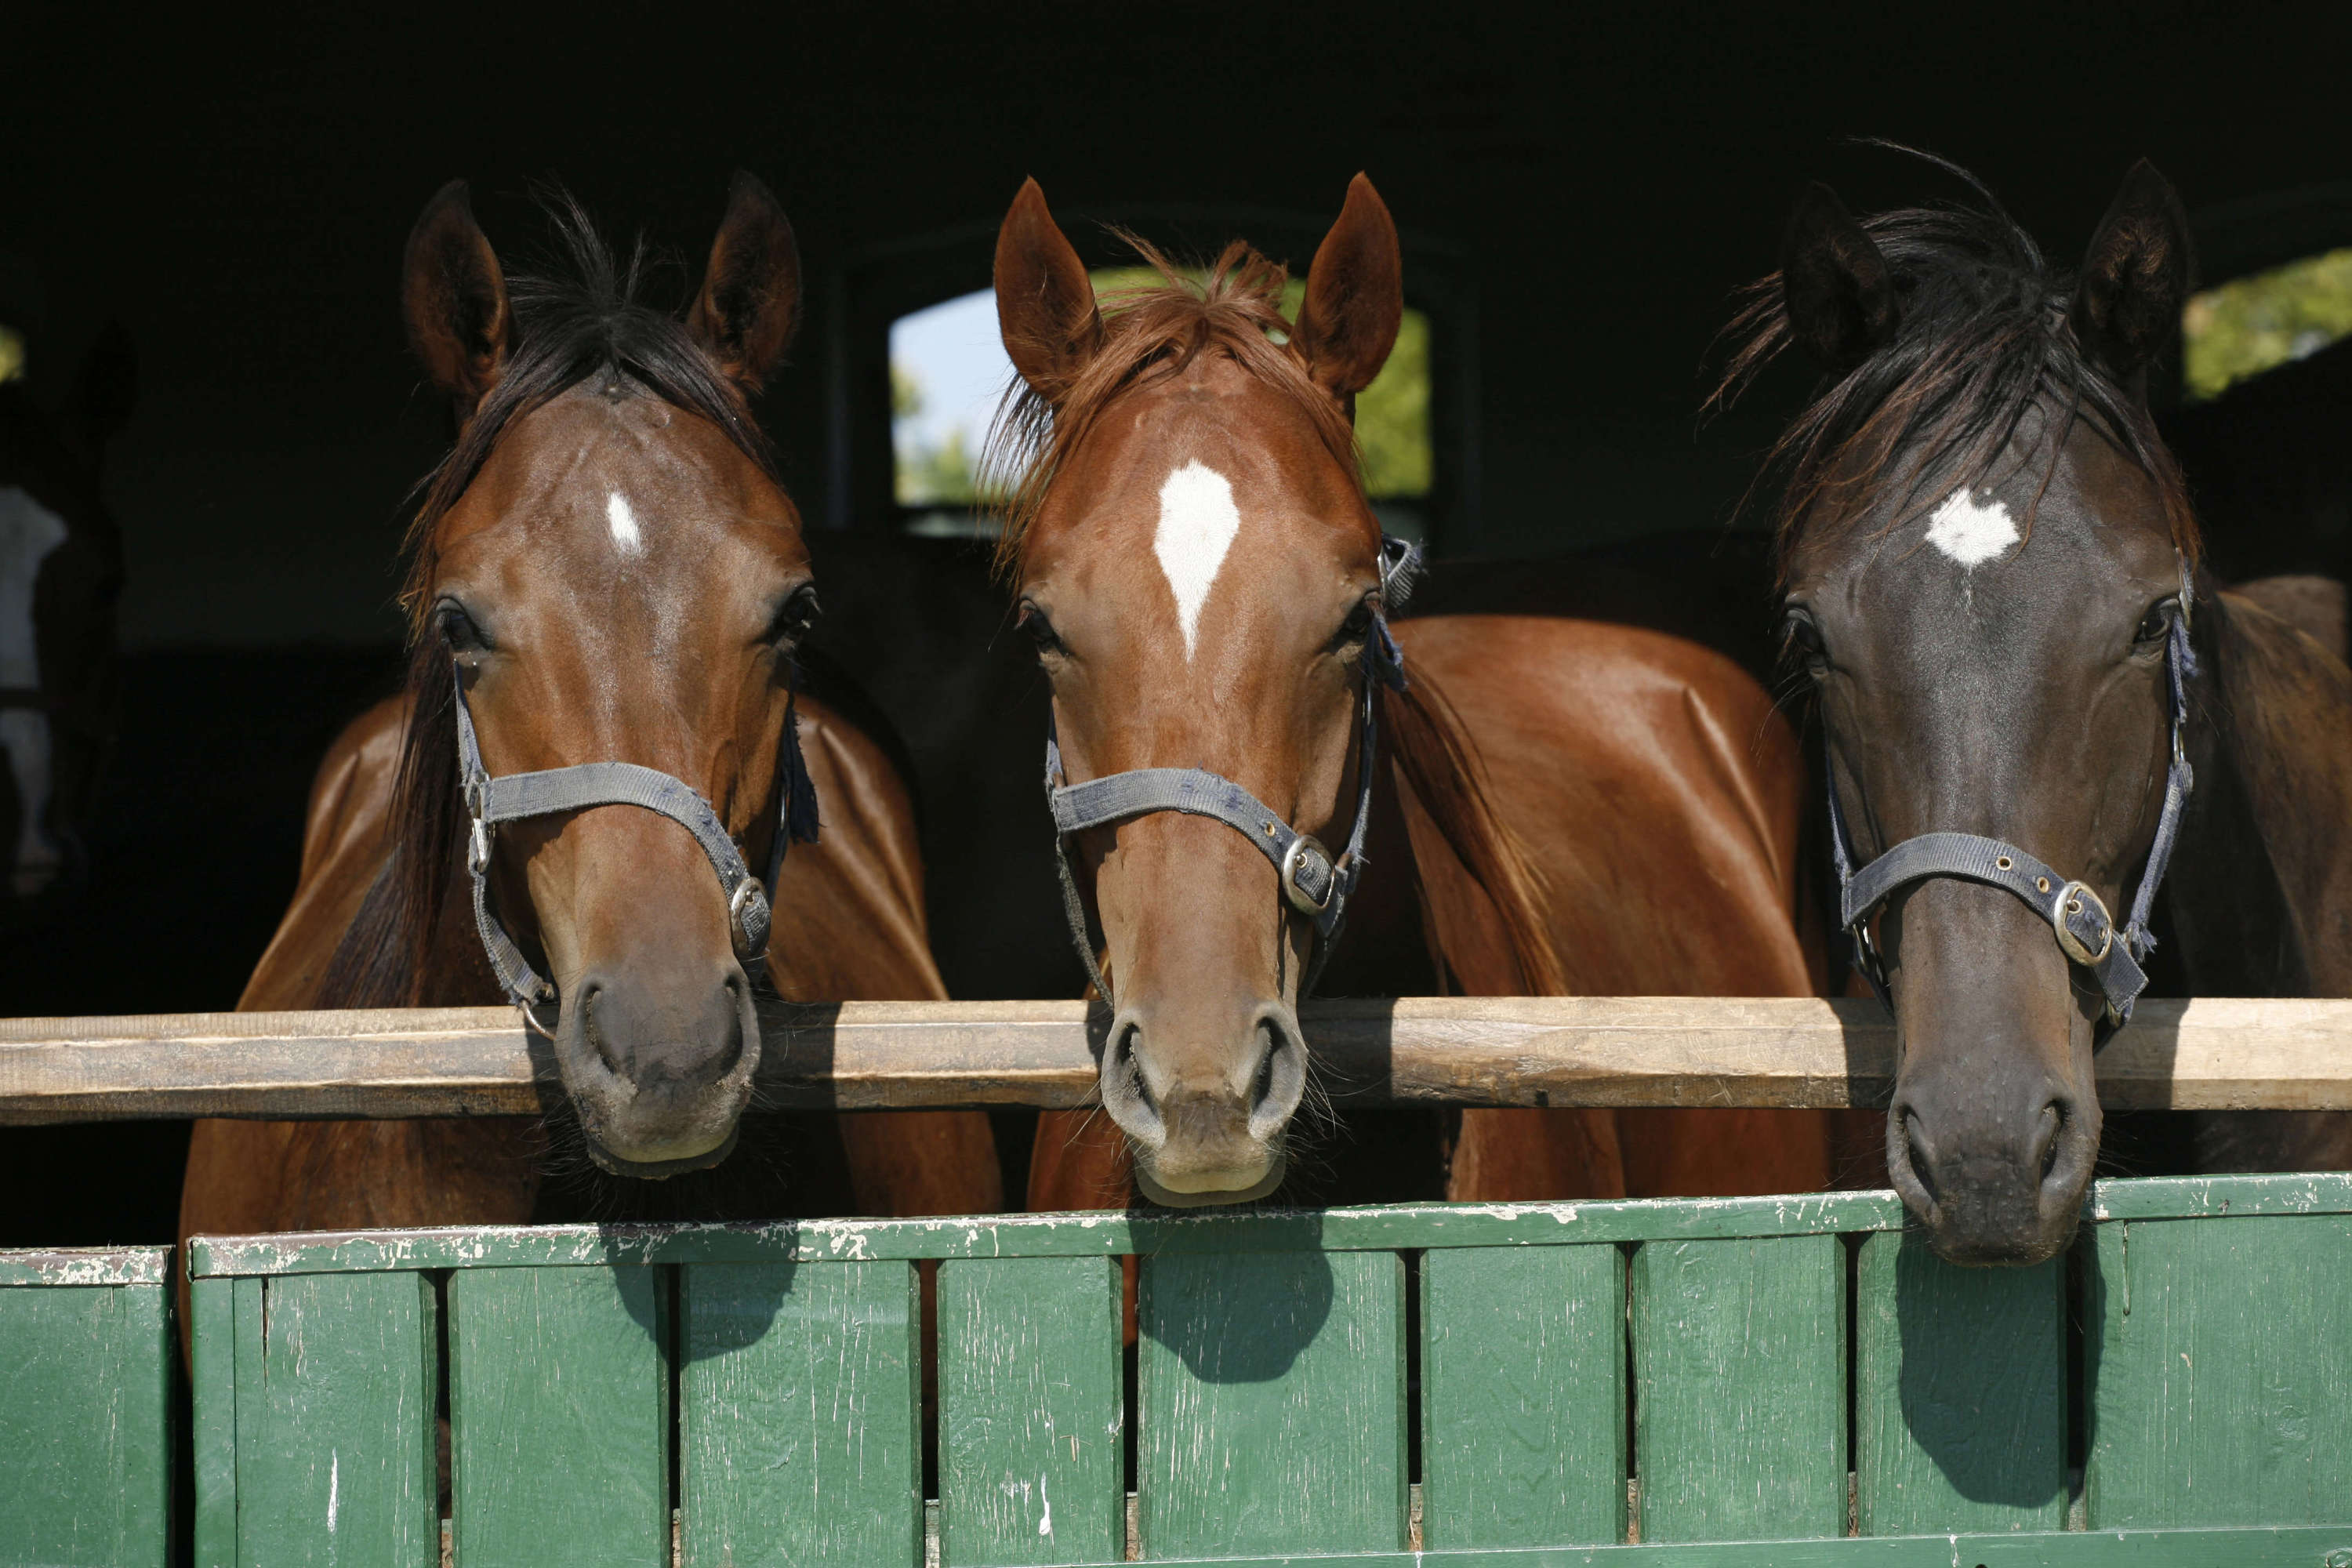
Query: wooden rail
x=2208, y=1054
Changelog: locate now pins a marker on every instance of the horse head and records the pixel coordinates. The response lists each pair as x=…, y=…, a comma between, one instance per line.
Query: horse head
x=1987, y=560
x=1202, y=577
x=611, y=566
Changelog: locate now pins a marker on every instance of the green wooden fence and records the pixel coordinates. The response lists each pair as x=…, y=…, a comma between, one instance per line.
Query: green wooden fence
x=1737, y=1382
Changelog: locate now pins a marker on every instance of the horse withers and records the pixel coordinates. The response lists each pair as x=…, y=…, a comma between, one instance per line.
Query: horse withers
x=581, y=798
x=1552, y=805
x=2034, y=698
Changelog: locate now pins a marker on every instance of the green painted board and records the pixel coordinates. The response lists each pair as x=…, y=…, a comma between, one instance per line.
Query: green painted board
x=798, y=1418
x=1523, y=1396
x=1032, y=1417
x=85, y=1444
x=1960, y=1393
x=334, y=1421
x=1739, y=1388
x=2220, y=1372
x=212, y=1336
x=1271, y=1402
x=559, y=1417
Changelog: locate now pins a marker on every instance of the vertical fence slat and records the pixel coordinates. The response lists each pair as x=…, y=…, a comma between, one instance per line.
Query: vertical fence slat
x=1031, y=1412
x=798, y=1414
x=2221, y=1371
x=335, y=1459
x=559, y=1416
x=1272, y=1403
x=1739, y=1388
x=212, y=1336
x=1523, y=1396
x=84, y=1412
x=1960, y=1394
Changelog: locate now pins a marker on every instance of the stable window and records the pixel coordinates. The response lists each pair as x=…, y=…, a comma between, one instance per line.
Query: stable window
x=2255, y=323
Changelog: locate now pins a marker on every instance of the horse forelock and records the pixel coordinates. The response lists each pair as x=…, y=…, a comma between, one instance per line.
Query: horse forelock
x=1149, y=334
x=1983, y=347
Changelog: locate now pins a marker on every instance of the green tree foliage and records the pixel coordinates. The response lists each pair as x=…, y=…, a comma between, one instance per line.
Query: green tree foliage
x=2253, y=324
x=929, y=474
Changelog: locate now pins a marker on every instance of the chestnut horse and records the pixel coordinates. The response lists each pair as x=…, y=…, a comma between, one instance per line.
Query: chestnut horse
x=608, y=565
x=2033, y=693
x=1574, y=806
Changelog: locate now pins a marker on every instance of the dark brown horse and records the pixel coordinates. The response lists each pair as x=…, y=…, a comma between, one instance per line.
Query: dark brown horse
x=1992, y=579
x=1568, y=806
x=608, y=563
x=60, y=573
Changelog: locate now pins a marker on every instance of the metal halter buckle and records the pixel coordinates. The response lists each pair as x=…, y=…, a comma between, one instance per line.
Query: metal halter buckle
x=747, y=918
x=477, y=847
x=2070, y=901
x=1292, y=860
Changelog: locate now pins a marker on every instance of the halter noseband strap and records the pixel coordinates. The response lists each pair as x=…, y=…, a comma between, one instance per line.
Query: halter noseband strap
x=1313, y=881
x=491, y=801
x=2085, y=931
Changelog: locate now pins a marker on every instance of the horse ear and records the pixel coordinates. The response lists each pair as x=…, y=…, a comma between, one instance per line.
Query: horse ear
x=455, y=297
x=1355, y=295
x=2135, y=278
x=106, y=389
x=750, y=296
x=1837, y=288
x=1045, y=300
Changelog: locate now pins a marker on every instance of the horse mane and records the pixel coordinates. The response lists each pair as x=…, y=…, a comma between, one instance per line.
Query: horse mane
x=1984, y=337
x=579, y=318
x=1149, y=333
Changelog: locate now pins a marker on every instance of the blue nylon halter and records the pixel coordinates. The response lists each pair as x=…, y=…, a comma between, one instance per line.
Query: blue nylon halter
x=1313, y=882
x=2085, y=931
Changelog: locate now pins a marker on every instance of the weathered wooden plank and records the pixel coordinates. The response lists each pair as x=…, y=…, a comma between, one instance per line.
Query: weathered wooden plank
x=559, y=1417
x=334, y=1422
x=85, y=1422
x=798, y=1414
x=2220, y=1372
x=1959, y=1394
x=1739, y=1388
x=212, y=1342
x=1084, y=1235
x=2290, y=1548
x=87, y=1265
x=1523, y=1396
x=1031, y=1412
x=1271, y=1402
x=2209, y=1053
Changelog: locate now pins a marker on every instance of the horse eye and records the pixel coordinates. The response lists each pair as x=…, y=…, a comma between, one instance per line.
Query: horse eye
x=795, y=617
x=2154, y=626
x=1041, y=630
x=1355, y=628
x=457, y=629
x=1803, y=637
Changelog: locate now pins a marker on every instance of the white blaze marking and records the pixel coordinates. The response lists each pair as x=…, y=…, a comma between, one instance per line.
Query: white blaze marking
x=1197, y=524
x=28, y=533
x=1969, y=531
x=623, y=522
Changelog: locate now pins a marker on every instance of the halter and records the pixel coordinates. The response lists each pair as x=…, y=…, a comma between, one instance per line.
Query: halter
x=2086, y=932
x=1313, y=882
x=553, y=791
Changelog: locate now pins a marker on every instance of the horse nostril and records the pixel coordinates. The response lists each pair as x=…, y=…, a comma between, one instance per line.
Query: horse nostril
x=590, y=994
x=1916, y=1153
x=1124, y=1066
x=2047, y=1137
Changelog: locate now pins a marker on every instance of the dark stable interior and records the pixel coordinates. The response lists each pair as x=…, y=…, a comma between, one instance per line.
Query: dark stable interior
x=1581, y=191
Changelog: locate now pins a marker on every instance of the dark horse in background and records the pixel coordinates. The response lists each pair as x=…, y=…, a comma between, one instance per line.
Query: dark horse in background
x=61, y=573
x=1993, y=573
x=608, y=563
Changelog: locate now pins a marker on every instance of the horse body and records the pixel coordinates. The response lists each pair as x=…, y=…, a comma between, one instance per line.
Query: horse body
x=606, y=569
x=1207, y=589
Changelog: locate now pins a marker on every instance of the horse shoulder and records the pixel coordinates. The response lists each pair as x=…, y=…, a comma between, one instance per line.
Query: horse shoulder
x=344, y=848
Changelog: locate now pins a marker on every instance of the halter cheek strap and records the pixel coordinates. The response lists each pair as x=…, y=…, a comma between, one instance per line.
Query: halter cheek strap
x=2085, y=931
x=491, y=801
x=1313, y=881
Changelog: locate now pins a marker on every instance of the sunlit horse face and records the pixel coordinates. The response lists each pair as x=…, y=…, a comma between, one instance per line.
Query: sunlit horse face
x=1979, y=676
x=621, y=582
x=1199, y=576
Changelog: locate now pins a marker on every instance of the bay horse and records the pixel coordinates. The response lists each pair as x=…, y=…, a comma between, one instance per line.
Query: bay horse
x=606, y=569
x=2032, y=694
x=1568, y=806
x=60, y=575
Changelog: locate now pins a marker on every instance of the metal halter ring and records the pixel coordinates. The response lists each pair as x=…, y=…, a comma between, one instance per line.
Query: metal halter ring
x=1295, y=856
x=747, y=918
x=2070, y=901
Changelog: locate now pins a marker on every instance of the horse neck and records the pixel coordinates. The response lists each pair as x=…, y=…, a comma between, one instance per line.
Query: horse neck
x=2266, y=853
